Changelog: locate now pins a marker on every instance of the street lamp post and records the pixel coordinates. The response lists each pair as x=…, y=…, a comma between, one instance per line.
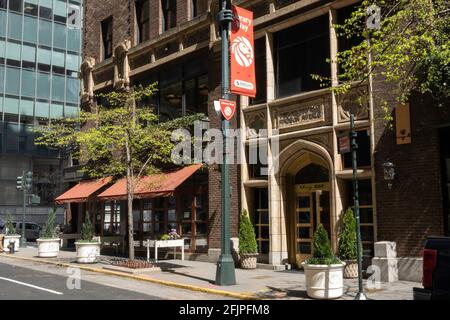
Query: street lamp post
x=225, y=274
x=360, y=295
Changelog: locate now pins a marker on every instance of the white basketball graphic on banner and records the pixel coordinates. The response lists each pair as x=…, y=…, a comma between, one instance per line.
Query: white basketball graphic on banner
x=242, y=51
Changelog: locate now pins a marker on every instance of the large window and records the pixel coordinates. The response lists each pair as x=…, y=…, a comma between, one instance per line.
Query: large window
x=169, y=14
x=365, y=212
x=362, y=153
x=301, y=51
x=261, y=219
x=260, y=70
x=111, y=218
x=143, y=20
x=107, y=37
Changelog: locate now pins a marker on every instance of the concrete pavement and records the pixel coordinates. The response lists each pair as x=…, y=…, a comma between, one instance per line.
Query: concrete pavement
x=264, y=284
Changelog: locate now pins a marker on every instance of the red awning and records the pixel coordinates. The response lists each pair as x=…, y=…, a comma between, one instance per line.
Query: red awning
x=158, y=185
x=82, y=190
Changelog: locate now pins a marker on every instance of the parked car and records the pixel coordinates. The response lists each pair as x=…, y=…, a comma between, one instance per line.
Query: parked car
x=32, y=230
x=436, y=270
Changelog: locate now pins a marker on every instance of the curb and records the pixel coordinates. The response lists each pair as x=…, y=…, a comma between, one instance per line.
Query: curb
x=241, y=296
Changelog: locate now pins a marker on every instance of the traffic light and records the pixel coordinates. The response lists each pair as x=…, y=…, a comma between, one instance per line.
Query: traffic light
x=20, y=183
x=29, y=181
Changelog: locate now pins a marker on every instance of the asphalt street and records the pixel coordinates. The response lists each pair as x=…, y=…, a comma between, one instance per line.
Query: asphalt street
x=18, y=283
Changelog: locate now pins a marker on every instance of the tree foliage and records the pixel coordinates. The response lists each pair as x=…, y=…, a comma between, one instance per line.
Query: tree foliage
x=87, y=230
x=121, y=137
x=49, y=231
x=322, y=248
x=9, y=226
x=410, y=50
x=247, y=237
x=347, y=236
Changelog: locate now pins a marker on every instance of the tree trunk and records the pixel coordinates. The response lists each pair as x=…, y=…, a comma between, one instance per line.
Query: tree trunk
x=130, y=205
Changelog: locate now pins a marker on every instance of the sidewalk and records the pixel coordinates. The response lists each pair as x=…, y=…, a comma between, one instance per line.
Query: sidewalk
x=200, y=276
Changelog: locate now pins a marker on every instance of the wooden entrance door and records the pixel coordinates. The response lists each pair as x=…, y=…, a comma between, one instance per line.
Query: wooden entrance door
x=311, y=209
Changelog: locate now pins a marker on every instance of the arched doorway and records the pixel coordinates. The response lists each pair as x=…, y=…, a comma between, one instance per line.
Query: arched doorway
x=311, y=207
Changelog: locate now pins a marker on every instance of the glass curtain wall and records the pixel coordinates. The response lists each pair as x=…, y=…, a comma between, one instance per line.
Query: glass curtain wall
x=40, y=55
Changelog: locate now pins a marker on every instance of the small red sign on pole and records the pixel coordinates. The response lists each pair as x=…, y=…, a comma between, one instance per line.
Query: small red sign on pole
x=228, y=108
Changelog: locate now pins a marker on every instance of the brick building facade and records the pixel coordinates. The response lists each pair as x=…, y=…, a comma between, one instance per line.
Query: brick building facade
x=132, y=42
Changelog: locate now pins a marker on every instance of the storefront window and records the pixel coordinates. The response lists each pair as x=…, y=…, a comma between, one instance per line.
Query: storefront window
x=362, y=153
x=111, y=221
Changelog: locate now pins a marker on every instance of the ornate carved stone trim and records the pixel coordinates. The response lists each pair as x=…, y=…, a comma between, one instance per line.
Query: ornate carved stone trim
x=304, y=114
x=121, y=65
x=255, y=121
x=356, y=101
x=87, y=80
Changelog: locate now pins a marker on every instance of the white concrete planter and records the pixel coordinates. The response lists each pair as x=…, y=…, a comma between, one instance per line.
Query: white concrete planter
x=87, y=252
x=12, y=238
x=324, y=281
x=48, y=248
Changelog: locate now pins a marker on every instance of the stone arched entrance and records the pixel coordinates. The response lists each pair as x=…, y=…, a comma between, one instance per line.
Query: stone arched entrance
x=306, y=179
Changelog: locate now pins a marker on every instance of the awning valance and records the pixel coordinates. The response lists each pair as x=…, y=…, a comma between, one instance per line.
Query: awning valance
x=158, y=185
x=82, y=191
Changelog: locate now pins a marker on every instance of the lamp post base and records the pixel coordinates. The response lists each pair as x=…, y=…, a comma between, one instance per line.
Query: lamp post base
x=225, y=275
x=360, y=296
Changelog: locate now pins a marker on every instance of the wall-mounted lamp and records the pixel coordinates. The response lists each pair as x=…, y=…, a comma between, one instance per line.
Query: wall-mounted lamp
x=389, y=173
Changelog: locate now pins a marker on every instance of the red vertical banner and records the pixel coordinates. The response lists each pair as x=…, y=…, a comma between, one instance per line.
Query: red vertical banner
x=243, y=80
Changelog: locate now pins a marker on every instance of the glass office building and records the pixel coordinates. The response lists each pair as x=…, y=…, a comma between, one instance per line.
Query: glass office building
x=40, y=56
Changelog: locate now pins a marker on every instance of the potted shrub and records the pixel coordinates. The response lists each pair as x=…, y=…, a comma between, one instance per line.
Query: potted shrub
x=10, y=235
x=49, y=242
x=347, y=244
x=323, y=271
x=88, y=249
x=248, y=248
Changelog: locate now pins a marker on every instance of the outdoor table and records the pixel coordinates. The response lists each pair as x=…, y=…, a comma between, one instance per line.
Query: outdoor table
x=165, y=244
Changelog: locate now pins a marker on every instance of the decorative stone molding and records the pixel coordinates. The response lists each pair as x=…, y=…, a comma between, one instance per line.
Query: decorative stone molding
x=121, y=65
x=87, y=80
x=356, y=101
x=304, y=114
x=255, y=120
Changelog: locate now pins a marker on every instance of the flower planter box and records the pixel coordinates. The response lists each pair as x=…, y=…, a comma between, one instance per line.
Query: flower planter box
x=11, y=238
x=164, y=244
x=324, y=281
x=48, y=248
x=87, y=252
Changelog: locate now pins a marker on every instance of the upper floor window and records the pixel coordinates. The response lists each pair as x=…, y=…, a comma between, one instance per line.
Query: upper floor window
x=143, y=20
x=15, y=5
x=194, y=9
x=301, y=51
x=260, y=69
x=169, y=14
x=107, y=37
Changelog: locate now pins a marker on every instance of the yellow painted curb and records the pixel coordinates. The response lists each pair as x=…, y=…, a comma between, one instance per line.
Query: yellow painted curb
x=242, y=296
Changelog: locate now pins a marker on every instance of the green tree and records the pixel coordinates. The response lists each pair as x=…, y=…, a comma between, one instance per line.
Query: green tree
x=322, y=248
x=9, y=226
x=247, y=237
x=410, y=50
x=87, y=229
x=49, y=231
x=121, y=138
x=347, y=237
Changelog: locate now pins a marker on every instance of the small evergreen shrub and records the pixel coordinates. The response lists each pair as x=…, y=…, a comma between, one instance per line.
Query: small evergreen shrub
x=49, y=231
x=247, y=237
x=10, y=230
x=87, y=230
x=322, y=248
x=347, y=236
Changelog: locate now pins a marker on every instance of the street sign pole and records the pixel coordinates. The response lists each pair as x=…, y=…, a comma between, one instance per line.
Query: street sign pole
x=225, y=273
x=360, y=295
